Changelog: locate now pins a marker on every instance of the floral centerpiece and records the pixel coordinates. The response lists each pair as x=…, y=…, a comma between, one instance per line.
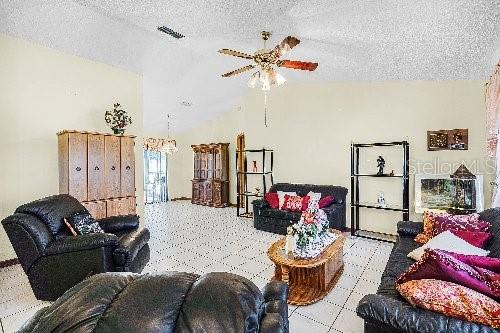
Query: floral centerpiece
x=311, y=233
x=117, y=119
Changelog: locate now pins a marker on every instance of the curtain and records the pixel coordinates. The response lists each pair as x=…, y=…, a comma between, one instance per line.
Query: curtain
x=493, y=129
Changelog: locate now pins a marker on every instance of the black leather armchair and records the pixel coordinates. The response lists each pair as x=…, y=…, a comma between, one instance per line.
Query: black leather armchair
x=55, y=261
x=277, y=221
x=166, y=302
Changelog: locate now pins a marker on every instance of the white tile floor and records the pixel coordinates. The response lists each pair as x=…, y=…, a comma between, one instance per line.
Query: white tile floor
x=186, y=237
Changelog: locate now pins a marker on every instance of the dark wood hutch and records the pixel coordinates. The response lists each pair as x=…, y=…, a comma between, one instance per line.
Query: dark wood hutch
x=210, y=184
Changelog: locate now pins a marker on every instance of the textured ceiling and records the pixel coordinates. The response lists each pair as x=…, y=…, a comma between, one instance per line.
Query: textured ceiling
x=353, y=40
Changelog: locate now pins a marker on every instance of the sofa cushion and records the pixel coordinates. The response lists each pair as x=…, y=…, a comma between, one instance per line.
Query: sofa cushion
x=52, y=210
x=280, y=214
x=272, y=199
x=130, y=243
x=294, y=203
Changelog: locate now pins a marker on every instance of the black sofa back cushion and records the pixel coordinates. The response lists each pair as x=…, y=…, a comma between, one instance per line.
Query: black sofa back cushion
x=338, y=192
x=492, y=215
x=221, y=302
x=52, y=210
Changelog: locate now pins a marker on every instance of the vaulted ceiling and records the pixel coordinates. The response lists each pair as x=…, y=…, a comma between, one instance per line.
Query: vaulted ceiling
x=353, y=40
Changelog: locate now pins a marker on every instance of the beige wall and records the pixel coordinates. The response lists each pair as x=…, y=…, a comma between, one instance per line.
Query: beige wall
x=311, y=127
x=42, y=92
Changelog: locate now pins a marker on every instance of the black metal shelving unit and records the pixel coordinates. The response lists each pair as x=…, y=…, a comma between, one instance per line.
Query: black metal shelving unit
x=356, y=205
x=246, y=194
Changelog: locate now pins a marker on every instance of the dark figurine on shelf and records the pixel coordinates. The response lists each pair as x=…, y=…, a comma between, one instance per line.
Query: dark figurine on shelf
x=392, y=173
x=380, y=165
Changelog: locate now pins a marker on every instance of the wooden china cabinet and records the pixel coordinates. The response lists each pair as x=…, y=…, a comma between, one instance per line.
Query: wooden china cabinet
x=98, y=169
x=210, y=184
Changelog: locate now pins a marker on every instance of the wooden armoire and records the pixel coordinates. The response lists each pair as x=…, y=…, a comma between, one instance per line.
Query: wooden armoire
x=210, y=184
x=99, y=170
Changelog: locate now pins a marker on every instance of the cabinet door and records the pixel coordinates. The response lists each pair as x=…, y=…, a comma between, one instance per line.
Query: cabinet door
x=96, y=186
x=208, y=193
x=195, y=192
x=203, y=171
x=113, y=207
x=217, y=164
x=127, y=167
x=112, y=166
x=217, y=194
x=210, y=164
x=96, y=208
x=201, y=192
x=131, y=205
x=77, y=166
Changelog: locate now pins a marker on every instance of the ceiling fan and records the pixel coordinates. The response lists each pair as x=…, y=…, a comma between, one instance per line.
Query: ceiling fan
x=266, y=60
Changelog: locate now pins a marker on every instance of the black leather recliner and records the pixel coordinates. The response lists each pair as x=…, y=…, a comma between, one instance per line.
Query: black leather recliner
x=166, y=302
x=277, y=221
x=55, y=261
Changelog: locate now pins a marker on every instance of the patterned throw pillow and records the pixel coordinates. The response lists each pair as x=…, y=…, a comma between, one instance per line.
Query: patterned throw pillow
x=469, y=222
x=281, y=197
x=440, y=265
x=451, y=300
x=83, y=224
x=295, y=203
x=429, y=219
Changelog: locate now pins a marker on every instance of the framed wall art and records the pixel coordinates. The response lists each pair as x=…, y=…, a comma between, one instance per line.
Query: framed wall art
x=455, y=139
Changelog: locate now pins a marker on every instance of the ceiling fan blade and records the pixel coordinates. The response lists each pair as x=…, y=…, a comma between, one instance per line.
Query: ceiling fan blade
x=286, y=45
x=302, y=65
x=235, y=53
x=238, y=71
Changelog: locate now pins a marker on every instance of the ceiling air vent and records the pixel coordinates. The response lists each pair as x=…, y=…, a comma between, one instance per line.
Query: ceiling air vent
x=171, y=32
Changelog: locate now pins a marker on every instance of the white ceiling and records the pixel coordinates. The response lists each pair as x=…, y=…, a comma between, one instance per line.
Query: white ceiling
x=352, y=40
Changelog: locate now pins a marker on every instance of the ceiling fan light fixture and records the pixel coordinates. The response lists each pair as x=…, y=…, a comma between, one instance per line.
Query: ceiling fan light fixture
x=254, y=79
x=280, y=79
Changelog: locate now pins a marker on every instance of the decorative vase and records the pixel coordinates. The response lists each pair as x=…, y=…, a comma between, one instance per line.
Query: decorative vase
x=254, y=167
x=118, y=131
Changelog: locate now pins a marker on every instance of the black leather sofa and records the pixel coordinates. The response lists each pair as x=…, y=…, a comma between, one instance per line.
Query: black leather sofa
x=277, y=221
x=387, y=311
x=166, y=302
x=55, y=261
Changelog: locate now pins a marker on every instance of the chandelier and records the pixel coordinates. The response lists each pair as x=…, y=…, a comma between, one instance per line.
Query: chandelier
x=167, y=145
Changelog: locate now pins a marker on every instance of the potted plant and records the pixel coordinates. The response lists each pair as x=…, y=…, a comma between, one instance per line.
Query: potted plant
x=117, y=119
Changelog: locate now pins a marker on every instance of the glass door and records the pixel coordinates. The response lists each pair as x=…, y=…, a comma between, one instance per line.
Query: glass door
x=155, y=176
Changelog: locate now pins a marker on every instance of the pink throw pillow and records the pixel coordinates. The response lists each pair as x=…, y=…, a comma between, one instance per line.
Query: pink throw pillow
x=439, y=265
x=469, y=222
x=451, y=300
x=489, y=263
x=272, y=199
x=476, y=238
x=326, y=201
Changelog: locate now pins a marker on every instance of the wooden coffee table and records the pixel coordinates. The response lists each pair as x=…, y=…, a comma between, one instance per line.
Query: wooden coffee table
x=309, y=280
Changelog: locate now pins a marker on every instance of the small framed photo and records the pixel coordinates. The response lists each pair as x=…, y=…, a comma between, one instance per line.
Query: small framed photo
x=455, y=139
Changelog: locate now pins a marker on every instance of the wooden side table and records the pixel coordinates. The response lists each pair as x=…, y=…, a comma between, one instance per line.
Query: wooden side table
x=309, y=280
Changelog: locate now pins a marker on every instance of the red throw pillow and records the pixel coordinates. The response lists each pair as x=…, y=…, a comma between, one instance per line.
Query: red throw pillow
x=326, y=201
x=451, y=300
x=272, y=199
x=294, y=203
x=476, y=238
x=439, y=265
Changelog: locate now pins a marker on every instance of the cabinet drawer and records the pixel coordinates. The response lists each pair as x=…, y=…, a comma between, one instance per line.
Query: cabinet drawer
x=96, y=208
x=122, y=206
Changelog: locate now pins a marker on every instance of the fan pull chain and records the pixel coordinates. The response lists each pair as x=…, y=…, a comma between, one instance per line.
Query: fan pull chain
x=265, y=108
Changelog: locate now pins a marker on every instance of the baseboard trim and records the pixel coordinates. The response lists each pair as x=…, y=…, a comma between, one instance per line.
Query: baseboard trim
x=180, y=198
x=10, y=262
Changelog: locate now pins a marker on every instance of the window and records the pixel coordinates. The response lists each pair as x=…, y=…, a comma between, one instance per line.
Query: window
x=155, y=176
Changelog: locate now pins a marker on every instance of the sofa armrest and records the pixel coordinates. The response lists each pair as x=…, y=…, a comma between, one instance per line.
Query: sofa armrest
x=80, y=243
x=403, y=317
x=119, y=223
x=260, y=203
x=409, y=228
x=275, y=291
x=335, y=213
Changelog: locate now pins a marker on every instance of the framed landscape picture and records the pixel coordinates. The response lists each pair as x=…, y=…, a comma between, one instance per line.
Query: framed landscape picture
x=437, y=191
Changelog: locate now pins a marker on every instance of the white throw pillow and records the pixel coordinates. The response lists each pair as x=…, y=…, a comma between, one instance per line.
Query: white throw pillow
x=448, y=242
x=281, y=197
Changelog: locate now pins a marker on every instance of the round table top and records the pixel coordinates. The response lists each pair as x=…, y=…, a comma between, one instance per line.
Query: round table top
x=277, y=253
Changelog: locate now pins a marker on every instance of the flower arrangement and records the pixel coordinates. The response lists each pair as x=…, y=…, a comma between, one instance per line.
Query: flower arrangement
x=311, y=233
x=117, y=119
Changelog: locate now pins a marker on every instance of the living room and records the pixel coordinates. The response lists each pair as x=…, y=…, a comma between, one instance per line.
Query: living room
x=307, y=205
